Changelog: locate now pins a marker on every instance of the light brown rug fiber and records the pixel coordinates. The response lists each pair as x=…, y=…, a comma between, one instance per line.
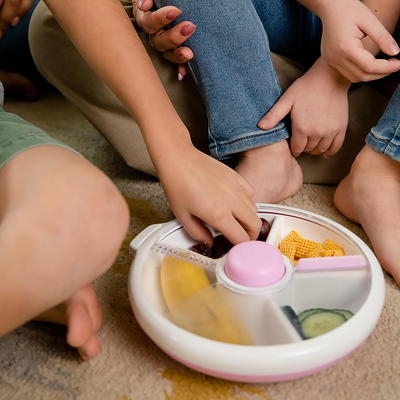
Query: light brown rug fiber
x=35, y=363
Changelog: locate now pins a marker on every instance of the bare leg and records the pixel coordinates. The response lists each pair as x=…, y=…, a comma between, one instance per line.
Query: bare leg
x=62, y=222
x=272, y=171
x=370, y=195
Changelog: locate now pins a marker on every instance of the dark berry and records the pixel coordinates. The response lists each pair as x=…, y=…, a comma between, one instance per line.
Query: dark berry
x=264, y=231
x=201, y=248
x=220, y=246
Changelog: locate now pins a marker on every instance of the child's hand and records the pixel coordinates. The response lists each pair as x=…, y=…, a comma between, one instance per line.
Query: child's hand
x=349, y=30
x=166, y=41
x=202, y=190
x=11, y=12
x=318, y=107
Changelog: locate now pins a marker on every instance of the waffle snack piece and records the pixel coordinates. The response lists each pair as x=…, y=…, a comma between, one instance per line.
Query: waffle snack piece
x=295, y=246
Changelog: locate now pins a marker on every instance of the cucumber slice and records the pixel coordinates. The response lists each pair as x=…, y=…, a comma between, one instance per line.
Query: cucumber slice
x=308, y=312
x=293, y=319
x=321, y=322
x=346, y=313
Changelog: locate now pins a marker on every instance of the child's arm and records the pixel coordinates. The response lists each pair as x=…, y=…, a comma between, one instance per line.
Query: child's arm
x=317, y=102
x=198, y=187
x=346, y=24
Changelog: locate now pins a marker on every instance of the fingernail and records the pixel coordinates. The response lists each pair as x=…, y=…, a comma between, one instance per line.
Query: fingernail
x=172, y=14
x=139, y=4
x=262, y=125
x=188, y=29
x=395, y=49
x=184, y=57
x=180, y=77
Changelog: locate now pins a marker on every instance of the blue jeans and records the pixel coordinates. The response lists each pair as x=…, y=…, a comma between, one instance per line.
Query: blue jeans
x=384, y=137
x=15, y=55
x=235, y=74
x=233, y=66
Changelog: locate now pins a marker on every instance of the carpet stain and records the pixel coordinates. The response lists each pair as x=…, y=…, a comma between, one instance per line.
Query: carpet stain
x=187, y=385
x=142, y=214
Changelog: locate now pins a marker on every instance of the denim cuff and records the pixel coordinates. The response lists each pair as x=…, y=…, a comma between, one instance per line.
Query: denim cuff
x=246, y=141
x=386, y=147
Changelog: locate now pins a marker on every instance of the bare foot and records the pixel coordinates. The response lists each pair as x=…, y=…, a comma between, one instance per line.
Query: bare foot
x=272, y=171
x=18, y=86
x=370, y=195
x=82, y=314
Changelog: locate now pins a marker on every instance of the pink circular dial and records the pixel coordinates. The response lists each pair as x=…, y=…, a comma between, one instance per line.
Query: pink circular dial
x=254, y=264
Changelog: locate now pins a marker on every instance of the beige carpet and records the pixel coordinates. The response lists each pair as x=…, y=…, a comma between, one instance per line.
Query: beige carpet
x=35, y=363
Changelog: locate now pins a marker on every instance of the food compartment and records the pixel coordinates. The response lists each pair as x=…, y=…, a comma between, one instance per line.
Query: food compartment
x=332, y=297
x=219, y=314
x=182, y=289
x=221, y=245
x=298, y=238
x=151, y=273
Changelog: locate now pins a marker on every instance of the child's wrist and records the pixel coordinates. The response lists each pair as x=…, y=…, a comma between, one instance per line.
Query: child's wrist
x=168, y=144
x=321, y=8
x=332, y=74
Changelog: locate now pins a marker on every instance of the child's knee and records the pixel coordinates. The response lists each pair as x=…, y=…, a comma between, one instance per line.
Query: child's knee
x=77, y=221
x=99, y=216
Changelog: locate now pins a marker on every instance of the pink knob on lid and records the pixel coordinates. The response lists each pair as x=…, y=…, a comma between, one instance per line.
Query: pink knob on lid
x=255, y=264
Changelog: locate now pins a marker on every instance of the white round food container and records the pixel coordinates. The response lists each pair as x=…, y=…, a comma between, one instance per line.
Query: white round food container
x=275, y=347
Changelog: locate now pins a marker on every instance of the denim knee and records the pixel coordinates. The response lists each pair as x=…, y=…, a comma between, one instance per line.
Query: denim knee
x=234, y=72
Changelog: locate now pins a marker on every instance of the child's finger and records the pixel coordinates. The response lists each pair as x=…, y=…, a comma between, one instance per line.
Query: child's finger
x=337, y=143
x=182, y=71
x=174, y=37
x=352, y=72
x=250, y=222
x=278, y=111
x=312, y=143
x=15, y=21
x=24, y=7
x=298, y=143
x=144, y=5
x=196, y=229
x=374, y=67
x=323, y=146
x=372, y=27
x=153, y=21
x=7, y=12
x=231, y=228
x=179, y=55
